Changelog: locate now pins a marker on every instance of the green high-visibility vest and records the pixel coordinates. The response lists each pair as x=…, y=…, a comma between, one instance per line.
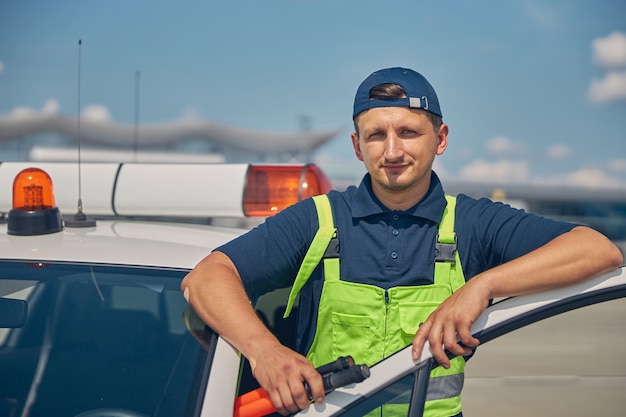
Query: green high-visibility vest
x=370, y=323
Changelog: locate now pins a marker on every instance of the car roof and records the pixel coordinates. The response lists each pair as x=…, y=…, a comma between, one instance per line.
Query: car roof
x=120, y=242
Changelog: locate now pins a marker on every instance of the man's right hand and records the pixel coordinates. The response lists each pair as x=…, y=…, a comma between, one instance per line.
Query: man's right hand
x=282, y=373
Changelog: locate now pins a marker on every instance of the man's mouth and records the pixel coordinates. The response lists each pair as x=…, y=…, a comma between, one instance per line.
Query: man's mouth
x=394, y=167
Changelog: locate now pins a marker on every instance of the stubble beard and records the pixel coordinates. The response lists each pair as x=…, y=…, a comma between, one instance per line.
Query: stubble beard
x=409, y=179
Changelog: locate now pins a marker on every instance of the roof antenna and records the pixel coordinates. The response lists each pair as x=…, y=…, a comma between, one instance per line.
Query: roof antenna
x=136, y=130
x=80, y=219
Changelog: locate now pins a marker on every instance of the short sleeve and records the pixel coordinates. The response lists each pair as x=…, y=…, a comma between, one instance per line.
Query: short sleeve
x=268, y=256
x=492, y=233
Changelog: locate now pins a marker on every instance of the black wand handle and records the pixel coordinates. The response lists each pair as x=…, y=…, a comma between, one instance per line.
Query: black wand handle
x=340, y=373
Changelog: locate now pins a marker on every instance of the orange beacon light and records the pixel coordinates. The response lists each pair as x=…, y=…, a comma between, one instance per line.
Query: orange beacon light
x=271, y=188
x=34, y=211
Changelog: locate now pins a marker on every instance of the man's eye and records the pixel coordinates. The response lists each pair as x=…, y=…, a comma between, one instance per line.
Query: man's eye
x=409, y=133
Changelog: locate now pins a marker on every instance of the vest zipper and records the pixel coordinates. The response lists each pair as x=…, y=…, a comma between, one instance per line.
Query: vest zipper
x=386, y=297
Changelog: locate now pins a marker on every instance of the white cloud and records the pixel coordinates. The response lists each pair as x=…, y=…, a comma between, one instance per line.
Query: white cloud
x=18, y=112
x=1, y=67
x=558, y=151
x=610, y=52
x=501, y=145
x=592, y=177
x=611, y=88
x=51, y=106
x=190, y=113
x=617, y=165
x=502, y=170
x=96, y=113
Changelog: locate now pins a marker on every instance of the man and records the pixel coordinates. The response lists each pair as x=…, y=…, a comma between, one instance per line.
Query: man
x=390, y=231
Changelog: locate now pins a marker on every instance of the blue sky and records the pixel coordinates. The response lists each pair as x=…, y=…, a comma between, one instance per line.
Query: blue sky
x=533, y=91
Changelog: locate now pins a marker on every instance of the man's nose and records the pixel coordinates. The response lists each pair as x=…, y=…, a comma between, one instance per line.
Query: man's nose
x=393, y=148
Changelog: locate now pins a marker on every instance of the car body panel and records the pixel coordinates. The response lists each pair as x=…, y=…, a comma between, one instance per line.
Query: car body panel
x=121, y=242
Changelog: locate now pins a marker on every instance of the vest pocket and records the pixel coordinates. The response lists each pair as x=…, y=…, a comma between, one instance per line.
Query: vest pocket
x=353, y=335
x=414, y=305
x=411, y=315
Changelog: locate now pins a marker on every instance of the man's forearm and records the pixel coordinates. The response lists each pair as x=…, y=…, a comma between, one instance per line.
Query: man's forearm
x=215, y=292
x=579, y=254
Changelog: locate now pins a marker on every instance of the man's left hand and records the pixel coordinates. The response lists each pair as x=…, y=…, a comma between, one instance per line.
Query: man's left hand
x=449, y=326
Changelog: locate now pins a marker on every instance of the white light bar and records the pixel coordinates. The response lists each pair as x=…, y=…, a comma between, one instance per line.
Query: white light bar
x=185, y=190
x=205, y=190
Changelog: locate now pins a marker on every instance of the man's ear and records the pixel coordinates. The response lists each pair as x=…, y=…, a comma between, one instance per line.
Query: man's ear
x=442, y=137
x=356, y=146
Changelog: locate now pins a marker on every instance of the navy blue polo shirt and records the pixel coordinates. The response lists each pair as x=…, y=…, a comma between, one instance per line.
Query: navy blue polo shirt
x=382, y=247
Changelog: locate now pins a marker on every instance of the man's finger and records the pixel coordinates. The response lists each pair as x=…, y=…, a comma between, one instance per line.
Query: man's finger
x=435, y=337
x=299, y=396
x=465, y=336
x=420, y=339
x=437, y=341
x=315, y=386
x=278, y=403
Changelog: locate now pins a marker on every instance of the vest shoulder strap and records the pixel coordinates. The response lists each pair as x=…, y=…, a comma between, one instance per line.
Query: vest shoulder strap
x=447, y=260
x=320, y=246
x=445, y=247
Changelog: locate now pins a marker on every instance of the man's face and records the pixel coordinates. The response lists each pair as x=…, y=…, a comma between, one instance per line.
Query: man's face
x=398, y=146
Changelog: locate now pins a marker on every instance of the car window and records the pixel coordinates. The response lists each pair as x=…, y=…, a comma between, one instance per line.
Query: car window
x=571, y=364
x=404, y=397
x=396, y=395
x=98, y=337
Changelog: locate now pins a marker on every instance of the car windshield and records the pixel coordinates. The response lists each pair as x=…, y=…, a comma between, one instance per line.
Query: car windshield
x=84, y=337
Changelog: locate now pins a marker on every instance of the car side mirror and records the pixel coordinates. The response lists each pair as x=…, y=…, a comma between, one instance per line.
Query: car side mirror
x=13, y=312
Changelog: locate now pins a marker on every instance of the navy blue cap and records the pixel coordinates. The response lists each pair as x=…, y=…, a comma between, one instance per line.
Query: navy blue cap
x=419, y=93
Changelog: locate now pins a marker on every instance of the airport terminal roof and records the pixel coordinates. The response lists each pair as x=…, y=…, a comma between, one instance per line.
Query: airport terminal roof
x=115, y=134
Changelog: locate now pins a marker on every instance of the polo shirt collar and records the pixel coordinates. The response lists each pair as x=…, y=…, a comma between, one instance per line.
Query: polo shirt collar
x=431, y=207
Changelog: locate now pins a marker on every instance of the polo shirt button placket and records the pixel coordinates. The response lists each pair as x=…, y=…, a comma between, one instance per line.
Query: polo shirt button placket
x=395, y=232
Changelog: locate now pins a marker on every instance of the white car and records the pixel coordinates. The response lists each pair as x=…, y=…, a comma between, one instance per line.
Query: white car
x=92, y=321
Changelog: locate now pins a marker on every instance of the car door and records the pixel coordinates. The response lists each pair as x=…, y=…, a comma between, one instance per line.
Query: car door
x=399, y=379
